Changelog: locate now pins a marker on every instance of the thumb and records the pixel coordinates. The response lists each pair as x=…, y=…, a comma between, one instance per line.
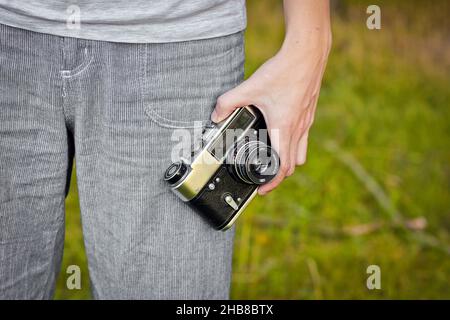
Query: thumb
x=229, y=101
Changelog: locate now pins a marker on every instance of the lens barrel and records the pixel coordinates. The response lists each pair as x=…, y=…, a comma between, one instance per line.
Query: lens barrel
x=175, y=172
x=256, y=163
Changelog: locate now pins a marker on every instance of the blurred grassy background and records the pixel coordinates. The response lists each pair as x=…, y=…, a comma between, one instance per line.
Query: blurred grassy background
x=376, y=186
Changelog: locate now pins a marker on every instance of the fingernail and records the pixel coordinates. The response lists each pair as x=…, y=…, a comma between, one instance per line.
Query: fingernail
x=214, y=116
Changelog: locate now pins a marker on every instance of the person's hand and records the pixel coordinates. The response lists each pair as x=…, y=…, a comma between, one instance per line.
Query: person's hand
x=286, y=90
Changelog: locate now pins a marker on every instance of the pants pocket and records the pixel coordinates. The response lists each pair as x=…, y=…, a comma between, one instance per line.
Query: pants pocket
x=181, y=81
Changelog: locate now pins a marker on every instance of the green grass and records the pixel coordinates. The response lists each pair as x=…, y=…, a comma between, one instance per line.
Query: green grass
x=378, y=162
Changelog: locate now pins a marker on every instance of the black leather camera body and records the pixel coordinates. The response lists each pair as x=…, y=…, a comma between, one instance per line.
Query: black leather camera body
x=223, y=176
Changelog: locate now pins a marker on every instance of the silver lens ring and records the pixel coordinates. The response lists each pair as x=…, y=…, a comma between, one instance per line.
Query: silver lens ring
x=249, y=167
x=240, y=161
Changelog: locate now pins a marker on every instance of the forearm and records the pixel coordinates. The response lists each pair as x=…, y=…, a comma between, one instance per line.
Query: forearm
x=307, y=27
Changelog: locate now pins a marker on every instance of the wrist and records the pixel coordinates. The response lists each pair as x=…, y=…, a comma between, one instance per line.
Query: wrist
x=308, y=43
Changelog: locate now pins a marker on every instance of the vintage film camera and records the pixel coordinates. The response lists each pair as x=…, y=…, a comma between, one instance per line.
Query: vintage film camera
x=223, y=176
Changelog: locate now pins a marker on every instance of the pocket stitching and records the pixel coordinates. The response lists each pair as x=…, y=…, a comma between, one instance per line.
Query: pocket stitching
x=173, y=124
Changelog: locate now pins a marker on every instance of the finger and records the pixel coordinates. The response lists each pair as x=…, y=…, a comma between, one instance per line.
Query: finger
x=303, y=127
x=312, y=111
x=302, y=149
x=303, y=141
x=229, y=101
x=293, y=158
x=295, y=141
x=280, y=141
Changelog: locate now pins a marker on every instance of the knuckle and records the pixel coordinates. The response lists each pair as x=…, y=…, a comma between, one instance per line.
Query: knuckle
x=291, y=126
x=284, y=168
x=291, y=171
x=220, y=103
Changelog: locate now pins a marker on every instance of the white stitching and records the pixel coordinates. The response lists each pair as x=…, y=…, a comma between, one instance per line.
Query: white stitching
x=88, y=57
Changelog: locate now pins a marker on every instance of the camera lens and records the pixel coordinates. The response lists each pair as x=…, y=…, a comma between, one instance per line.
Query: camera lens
x=256, y=163
x=175, y=172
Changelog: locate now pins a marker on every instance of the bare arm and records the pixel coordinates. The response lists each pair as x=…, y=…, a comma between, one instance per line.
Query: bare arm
x=286, y=87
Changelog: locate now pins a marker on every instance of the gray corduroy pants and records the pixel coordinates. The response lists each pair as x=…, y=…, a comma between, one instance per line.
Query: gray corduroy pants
x=112, y=107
